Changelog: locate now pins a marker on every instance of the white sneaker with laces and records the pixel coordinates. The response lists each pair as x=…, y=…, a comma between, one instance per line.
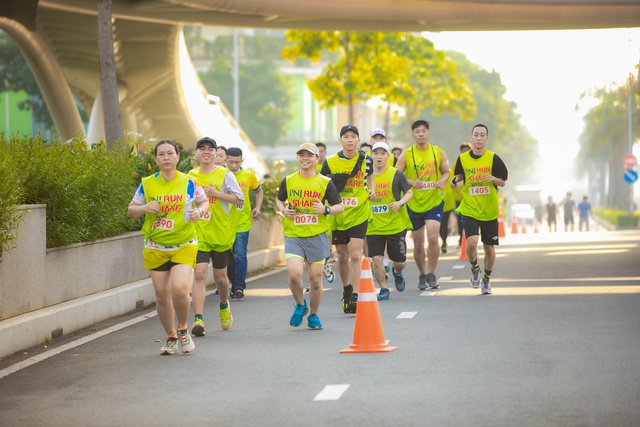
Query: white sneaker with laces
x=486, y=287
x=475, y=278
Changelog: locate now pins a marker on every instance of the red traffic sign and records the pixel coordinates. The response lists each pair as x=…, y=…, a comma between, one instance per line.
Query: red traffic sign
x=630, y=161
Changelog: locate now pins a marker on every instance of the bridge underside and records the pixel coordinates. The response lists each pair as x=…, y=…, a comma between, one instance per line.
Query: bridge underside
x=59, y=39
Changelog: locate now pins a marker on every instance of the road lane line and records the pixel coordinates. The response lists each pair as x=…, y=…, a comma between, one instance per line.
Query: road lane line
x=428, y=293
x=331, y=392
x=445, y=278
x=458, y=267
x=407, y=315
x=68, y=346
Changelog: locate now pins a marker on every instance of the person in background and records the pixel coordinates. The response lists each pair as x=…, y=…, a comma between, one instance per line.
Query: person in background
x=165, y=200
x=427, y=170
x=480, y=173
x=584, y=208
x=569, y=205
x=220, y=158
x=242, y=218
x=389, y=222
x=322, y=149
x=301, y=199
x=379, y=135
x=396, y=151
x=552, y=215
x=215, y=233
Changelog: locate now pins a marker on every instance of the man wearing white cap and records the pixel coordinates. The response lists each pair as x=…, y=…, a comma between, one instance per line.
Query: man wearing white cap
x=301, y=199
x=389, y=219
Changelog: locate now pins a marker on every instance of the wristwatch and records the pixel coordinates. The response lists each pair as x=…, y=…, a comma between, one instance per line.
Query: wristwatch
x=327, y=210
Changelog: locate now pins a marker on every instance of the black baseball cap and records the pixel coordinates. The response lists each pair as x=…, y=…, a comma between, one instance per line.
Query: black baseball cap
x=347, y=128
x=206, y=140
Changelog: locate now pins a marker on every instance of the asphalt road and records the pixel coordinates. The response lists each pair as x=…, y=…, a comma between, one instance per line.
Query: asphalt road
x=557, y=344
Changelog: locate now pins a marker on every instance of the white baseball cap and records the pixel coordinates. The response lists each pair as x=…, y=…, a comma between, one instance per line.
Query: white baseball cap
x=378, y=132
x=381, y=144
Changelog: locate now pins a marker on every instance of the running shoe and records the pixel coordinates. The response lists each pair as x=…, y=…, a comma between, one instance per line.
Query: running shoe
x=475, y=278
x=399, y=279
x=346, y=297
x=232, y=294
x=226, y=318
x=328, y=273
x=197, y=330
x=384, y=295
x=299, y=311
x=314, y=322
x=422, y=282
x=486, y=287
x=353, y=304
x=444, y=248
x=431, y=280
x=170, y=346
x=239, y=294
x=186, y=343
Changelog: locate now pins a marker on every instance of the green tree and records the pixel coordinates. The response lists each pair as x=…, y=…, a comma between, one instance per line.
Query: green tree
x=513, y=142
x=16, y=76
x=604, y=140
x=399, y=68
x=263, y=89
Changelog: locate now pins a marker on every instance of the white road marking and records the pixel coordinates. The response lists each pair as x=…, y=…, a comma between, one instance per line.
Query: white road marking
x=445, y=278
x=459, y=267
x=407, y=315
x=428, y=293
x=73, y=344
x=331, y=392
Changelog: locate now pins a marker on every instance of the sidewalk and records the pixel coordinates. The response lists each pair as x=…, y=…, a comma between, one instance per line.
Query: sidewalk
x=34, y=328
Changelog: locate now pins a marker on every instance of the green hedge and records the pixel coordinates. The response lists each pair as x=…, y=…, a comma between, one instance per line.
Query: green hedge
x=86, y=190
x=11, y=194
x=618, y=218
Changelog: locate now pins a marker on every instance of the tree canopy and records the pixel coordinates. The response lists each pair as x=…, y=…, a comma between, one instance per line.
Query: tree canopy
x=398, y=68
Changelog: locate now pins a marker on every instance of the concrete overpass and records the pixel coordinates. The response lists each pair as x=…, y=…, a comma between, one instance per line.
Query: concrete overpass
x=59, y=40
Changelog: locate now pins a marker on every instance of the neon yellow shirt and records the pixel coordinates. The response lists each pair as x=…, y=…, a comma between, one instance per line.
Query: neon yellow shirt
x=355, y=196
x=301, y=193
x=425, y=166
x=241, y=214
x=215, y=232
x=479, y=198
x=383, y=221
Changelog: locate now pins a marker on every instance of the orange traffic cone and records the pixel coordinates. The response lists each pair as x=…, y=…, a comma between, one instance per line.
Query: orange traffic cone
x=524, y=226
x=535, y=226
x=501, y=230
x=463, y=248
x=368, y=335
x=514, y=225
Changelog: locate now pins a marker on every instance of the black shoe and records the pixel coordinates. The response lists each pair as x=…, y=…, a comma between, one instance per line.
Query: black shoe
x=353, y=304
x=239, y=294
x=444, y=248
x=232, y=294
x=346, y=298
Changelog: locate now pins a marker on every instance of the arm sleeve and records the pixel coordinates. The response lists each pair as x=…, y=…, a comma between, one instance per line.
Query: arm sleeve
x=324, y=170
x=282, y=192
x=400, y=185
x=230, y=186
x=458, y=168
x=332, y=196
x=369, y=162
x=139, y=197
x=499, y=169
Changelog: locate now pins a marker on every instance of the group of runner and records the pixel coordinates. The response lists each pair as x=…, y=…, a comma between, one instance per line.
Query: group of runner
x=356, y=201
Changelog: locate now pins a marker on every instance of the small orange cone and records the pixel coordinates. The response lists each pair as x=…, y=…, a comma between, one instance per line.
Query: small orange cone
x=514, y=225
x=535, y=226
x=501, y=230
x=463, y=248
x=368, y=335
x=524, y=226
